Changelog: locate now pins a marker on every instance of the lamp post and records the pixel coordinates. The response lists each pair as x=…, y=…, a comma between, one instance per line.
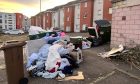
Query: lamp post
x=40, y=5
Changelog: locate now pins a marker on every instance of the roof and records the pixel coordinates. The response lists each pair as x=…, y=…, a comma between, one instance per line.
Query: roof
x=72, y=3
x=115, y=1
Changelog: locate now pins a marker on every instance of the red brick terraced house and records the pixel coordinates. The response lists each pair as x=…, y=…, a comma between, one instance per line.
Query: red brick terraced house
x=39, y=20
x=33, y=21
x=86, y=14
x=69, y=17
x=19, y=20
x=75, y=16
x=48, y=19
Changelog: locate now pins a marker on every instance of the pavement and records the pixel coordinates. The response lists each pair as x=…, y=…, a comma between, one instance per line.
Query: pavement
x=96, y=70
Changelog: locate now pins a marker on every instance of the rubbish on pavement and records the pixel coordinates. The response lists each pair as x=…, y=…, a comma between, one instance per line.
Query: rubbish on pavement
x=78, y=77
x=112, y=52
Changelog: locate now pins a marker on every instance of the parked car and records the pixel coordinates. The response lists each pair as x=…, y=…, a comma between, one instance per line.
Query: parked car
x=14, y=32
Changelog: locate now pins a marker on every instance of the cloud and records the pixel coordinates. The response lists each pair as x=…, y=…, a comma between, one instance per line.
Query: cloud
x=29, y=7
x=24, y=2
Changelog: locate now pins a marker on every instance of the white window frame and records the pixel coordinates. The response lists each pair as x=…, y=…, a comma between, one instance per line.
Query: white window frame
x=99, y=12
x=110, y=10
x=85, y=4
x=68, y=19
x=68, y=9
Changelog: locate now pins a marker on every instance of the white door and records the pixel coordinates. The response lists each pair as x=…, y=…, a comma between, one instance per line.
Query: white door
x=84, y=27
x=68, y=29
x=77, y=28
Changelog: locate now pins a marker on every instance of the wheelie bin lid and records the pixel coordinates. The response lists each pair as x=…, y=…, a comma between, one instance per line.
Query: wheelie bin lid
x=102, y=23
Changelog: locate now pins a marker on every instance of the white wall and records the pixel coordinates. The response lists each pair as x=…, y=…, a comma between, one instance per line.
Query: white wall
x=77, y=18
x=98, y=10
x=26, y=23
x=62, y=19
x=44, y=21
x=55, y=19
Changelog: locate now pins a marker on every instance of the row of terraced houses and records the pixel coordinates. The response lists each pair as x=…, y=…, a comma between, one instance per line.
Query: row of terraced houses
x=74, y=16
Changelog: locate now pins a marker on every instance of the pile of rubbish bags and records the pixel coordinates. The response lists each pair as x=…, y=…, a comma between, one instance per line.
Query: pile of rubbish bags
x=53, y=58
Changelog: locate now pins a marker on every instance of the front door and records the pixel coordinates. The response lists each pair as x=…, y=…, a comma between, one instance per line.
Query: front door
x=77, y=28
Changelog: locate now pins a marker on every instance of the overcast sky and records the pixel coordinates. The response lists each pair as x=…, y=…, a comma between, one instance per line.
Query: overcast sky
x=28, y=7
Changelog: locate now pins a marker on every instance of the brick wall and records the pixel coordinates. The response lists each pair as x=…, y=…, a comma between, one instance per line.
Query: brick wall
x=86, y=13
x=69, y=18
x=48, y=20
x=107, y=4
x=39, y=20
x=33, y=21
x=126, y=26
x=19, y=20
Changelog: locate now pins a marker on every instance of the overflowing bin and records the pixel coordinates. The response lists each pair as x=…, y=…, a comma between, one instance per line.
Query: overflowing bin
x=101, y=33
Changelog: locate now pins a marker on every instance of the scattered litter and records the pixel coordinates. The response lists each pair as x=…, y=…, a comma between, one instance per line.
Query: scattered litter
x=132, y=56
x=112, y=52
x=129, y=55
x=86, y=44
x=78, y=77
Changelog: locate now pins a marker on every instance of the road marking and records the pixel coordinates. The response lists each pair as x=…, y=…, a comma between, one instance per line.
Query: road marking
x=103, y=77
x=127, y=73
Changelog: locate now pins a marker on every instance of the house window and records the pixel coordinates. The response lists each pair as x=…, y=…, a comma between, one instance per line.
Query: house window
x=9, y=15
x=9, y=22
x=85, y=15
x=68, y=29
x=110, y=10
x=84, y=27
x=85, y=4
x=78, y=16
x=0, y=20
x=99, y=12
x=0, y=16
x=78, y=6
x=5, y=26
x=68, y=9
x=5, y=21
x=10, y=18
x=68, y=18
x=10, y=28
x=0, y=26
